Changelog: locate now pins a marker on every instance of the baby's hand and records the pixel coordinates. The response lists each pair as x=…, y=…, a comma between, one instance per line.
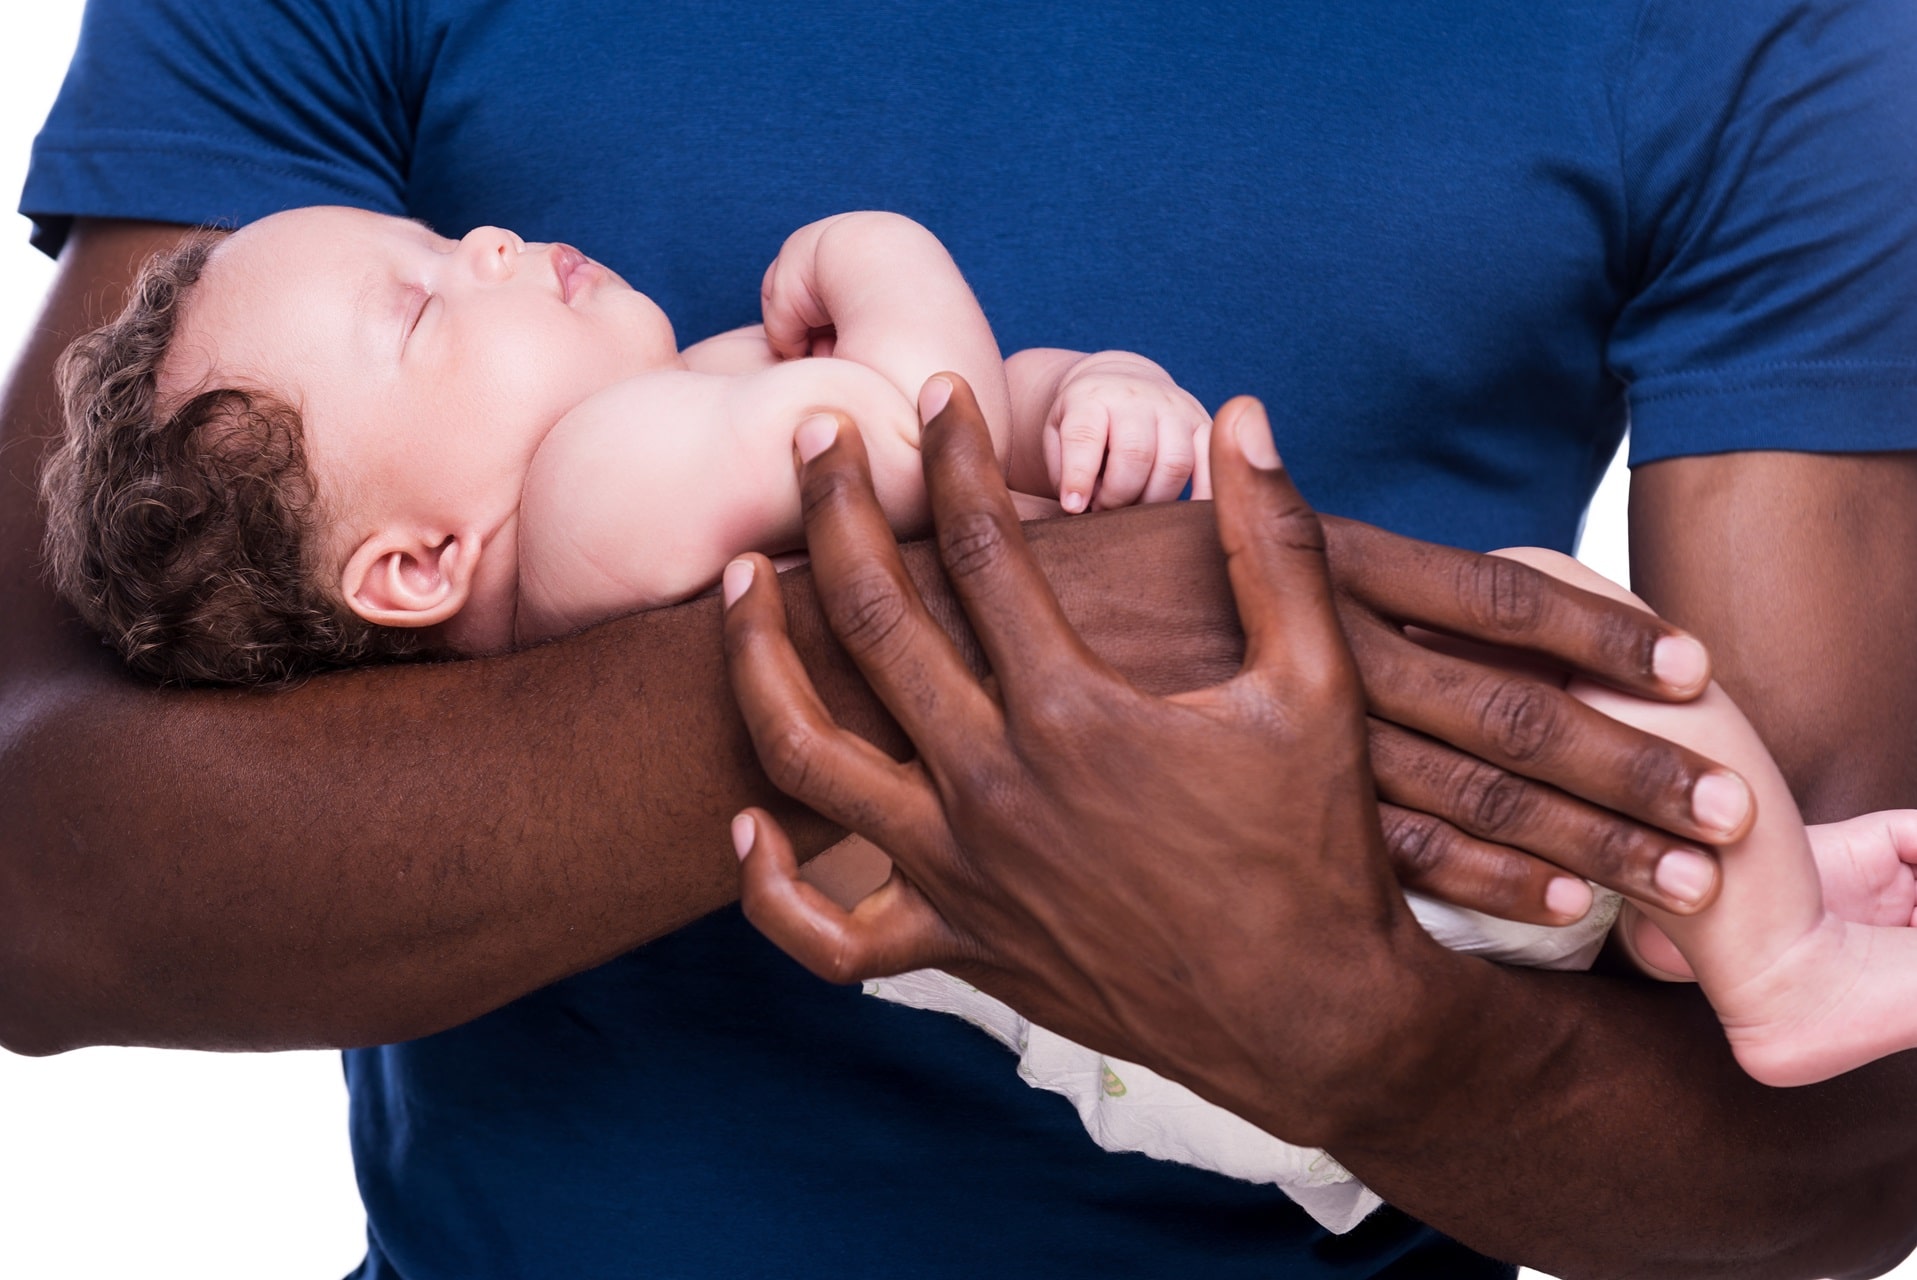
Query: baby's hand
x=1866, y=868
x=857, y=249
x=797, y=323
x=1123, y=411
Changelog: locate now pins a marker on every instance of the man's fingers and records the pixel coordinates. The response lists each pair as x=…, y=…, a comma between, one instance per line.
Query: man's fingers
x=805, y=753
x=1496, y=600
x=1032, y=649
x=892, y=931
x=1274, y=554
x=1538, y=730
x=1498, y=813
x=871, y=603
x=1435, y=858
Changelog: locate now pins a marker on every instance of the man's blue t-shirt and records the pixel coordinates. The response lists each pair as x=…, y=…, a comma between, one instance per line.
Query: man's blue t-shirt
x=1456, y=246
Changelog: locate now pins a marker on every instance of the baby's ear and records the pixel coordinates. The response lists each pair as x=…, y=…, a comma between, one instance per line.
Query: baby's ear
x=410, y=578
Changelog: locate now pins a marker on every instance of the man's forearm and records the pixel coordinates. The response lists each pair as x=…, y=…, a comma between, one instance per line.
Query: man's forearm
x=384, y=853
x=1592, y=1126
x=1601, y=1126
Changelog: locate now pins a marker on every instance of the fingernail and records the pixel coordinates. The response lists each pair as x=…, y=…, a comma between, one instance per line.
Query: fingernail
x=743, y=830
x=1680, y=662
x=1721, y=802
x=738, y=576
x=1567, y=897
x=933, y=397
x=815, y=435
x=1685, y=876
x=1254, y=439
x=1074, y=501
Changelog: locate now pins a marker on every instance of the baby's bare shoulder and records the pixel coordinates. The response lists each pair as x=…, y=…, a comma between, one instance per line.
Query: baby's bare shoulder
x=682, y=395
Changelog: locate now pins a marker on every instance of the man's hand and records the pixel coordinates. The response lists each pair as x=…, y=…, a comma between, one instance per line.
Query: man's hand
x=1120, y=431
x=1497, y=781
x=1131, y=870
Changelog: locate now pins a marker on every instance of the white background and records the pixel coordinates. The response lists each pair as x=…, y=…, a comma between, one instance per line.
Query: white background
x=140, y=1162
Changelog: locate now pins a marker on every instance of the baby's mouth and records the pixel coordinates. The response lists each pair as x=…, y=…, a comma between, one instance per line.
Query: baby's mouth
x=574, y=269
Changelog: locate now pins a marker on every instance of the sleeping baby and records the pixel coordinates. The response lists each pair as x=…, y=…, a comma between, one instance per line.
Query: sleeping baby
x=336, y=436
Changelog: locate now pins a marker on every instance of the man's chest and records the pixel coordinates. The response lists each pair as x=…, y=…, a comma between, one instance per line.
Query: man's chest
x=1392, y=221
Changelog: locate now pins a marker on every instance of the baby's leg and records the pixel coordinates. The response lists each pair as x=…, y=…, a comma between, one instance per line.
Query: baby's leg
x=1789, y=981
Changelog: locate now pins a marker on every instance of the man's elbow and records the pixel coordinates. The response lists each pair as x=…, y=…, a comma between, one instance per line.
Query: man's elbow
x=1875, y=1227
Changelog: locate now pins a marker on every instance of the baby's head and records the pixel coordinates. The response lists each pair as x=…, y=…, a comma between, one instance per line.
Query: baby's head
x=302, y=444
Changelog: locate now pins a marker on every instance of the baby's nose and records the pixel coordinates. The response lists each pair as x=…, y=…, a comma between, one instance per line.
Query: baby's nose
x=493, y=252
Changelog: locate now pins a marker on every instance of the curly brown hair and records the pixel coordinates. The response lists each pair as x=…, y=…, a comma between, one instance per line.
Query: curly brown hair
x=186, y=535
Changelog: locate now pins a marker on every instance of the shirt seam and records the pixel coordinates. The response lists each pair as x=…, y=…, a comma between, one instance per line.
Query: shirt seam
x=196, y=145
x=1887, y=375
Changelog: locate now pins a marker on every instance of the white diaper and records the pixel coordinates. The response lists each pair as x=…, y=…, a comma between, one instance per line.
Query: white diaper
x=1126, y=1107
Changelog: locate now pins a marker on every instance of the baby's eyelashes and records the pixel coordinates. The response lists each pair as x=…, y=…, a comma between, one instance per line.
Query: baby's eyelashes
x=416, y=311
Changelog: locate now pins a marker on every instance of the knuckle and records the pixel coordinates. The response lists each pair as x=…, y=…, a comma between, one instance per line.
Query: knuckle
x=1491, y=801
x=971, y=543
x=1175, y=464
x=1502, y=597
x=1419, y=843
x=1626, y=637
x=844, y=963
x=979, y=782
x=1324, y=692
x=826, y=491
x=1613, y=851
x=1505, y=882
x=1657, y=772
x=1521, y=718
x=788, y=751
x=1289, y=526
x=868, y=610
x=1080, y=432
x=1055, y=714
x=1393, y=754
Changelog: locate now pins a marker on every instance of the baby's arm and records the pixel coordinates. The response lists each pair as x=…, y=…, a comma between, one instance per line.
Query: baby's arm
x=880, y=290
x=639, y=496
x=1803, y=994
x=1073, y=414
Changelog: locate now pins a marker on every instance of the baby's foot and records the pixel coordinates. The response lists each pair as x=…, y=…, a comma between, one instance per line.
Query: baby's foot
x=1812, y=1013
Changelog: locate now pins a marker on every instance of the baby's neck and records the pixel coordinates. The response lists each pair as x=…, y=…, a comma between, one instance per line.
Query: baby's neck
x=486, y=624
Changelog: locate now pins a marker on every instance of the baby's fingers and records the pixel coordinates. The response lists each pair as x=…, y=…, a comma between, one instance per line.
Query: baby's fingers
x=1082, y=430
x=894, y=930
x=792, y=313
x=1130, y=455
x=1201, y=464
x=1176, y=434
x=1650, y=948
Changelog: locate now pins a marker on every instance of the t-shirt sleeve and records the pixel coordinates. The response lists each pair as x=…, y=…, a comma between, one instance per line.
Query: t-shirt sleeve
x=181, y=111
x=1771, y=173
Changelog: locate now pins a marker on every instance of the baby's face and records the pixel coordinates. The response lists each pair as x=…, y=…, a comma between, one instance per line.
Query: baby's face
x=427, y=370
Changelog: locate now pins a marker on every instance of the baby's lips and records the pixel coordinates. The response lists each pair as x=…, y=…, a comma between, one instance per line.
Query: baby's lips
x=574, y=271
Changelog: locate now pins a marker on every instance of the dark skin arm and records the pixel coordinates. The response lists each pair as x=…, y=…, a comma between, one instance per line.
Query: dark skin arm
x=1798, y=569
x=1230, y=932
x=382, y=854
